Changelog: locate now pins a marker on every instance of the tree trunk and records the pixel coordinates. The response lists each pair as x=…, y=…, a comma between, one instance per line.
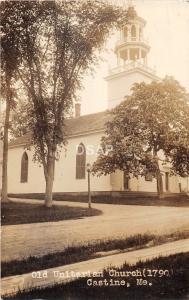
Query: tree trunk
x=48, y=192
x=49, y=180
x=159, y=184
x=4, y=196
x=158, y=176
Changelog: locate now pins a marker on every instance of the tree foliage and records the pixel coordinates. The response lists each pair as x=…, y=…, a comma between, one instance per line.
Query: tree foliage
x=58, y=42
x=9, y=63
x=147, y=130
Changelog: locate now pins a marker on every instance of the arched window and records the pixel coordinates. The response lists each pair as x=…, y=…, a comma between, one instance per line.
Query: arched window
x=125, y=33
x=126, y=181
x=24, y=168
x=140, y=33
x=81, y=162
x=167, y=181
x=133, y=31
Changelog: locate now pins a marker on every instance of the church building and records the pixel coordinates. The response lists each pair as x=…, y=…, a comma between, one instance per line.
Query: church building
x=26, y=177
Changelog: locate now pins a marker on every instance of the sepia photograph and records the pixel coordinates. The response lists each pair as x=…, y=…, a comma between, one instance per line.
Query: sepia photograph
x=94, y=149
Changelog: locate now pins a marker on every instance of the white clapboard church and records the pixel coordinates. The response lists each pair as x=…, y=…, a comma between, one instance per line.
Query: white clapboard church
x=26, y=177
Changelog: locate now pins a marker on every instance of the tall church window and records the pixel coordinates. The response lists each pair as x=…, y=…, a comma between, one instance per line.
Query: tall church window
x=81, y=162
x=167, y=181
x=126, y=181
x=140, y=33
x=24, y=168
x=125, y=32
x=133, y=31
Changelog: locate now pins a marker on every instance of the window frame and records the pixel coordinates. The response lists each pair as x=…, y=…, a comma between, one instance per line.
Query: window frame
x=24, y=168
x=81, y=163
x=133, y=31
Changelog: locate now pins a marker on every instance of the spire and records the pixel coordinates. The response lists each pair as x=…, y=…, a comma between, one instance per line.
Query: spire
x=131, y=10
x=130, y=3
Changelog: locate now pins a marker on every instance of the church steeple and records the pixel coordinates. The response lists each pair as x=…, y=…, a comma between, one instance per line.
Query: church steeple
x=131, y=50
x=132, y=46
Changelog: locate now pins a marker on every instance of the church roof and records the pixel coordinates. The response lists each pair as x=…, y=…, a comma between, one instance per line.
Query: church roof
x=73, y=127
x=87, y=123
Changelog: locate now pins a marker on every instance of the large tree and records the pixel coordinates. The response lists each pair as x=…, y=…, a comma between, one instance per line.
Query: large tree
x=9, y=63
x=57, y=49
x=14, y=15
x=144, y=131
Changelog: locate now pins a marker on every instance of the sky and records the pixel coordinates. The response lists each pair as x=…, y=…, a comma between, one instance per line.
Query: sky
x=167, y=32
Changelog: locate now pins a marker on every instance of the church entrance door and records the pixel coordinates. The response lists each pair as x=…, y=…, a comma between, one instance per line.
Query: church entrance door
x=126, y=181
x=166, y=181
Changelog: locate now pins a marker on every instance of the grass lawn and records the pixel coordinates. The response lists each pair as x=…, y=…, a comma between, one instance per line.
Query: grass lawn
x=86, y=252
x=13, y=213
x=173, y=201
x=173, y=284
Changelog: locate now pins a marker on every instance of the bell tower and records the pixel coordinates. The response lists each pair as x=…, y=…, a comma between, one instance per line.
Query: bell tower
x=131, y=50
x=132, y=46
